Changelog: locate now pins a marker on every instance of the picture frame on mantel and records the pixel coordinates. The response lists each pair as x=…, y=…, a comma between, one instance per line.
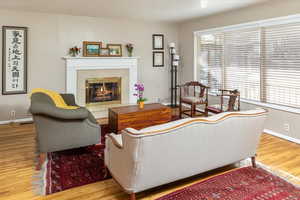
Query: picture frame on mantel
x=115, y=50
x=158, y=59
x=91, y=49
x=158, y=41
x=14, y=60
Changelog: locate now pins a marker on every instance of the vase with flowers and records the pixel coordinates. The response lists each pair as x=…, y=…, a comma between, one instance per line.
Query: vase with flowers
x=74, y=51
x=129, y=48
x=139, y=88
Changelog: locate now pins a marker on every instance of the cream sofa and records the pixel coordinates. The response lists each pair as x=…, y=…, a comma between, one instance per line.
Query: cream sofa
x=140, y=160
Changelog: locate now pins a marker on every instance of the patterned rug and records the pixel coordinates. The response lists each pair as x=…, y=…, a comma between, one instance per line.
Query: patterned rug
x=245, y=183
x=71, y=168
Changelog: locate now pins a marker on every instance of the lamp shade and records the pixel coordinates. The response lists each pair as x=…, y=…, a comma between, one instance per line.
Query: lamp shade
x=172, y=45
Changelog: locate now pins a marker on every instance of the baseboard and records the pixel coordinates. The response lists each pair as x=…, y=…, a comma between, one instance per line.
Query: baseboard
x=29, y=119
x=280, y=135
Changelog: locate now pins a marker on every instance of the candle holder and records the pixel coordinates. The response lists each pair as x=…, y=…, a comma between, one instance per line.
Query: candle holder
x=174, y=65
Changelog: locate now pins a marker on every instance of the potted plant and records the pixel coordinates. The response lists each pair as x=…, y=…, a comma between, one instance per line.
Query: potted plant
x=74, y=51
x=129, y=48
x=139, y=88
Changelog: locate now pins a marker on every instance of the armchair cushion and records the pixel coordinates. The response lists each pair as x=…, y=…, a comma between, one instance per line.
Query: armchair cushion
x=192, y=99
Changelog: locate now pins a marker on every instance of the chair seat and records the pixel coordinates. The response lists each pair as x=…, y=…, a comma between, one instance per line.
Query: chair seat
x=192, y=99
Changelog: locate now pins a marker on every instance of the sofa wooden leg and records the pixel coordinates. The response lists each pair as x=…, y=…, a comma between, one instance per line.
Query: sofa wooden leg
x=42, y=159
x=132, y=196
x=253, y=160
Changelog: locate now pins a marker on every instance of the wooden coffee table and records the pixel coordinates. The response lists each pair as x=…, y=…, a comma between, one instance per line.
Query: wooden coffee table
x=134, y=117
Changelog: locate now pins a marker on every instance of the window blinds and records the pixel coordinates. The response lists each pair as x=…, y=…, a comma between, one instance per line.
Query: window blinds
x=242, y=62
x=210, y=60
x=263, y=62
x=281, y=64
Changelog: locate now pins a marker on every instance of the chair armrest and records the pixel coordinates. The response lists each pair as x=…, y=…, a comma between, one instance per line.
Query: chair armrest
x=116, y=140
x=55, y=112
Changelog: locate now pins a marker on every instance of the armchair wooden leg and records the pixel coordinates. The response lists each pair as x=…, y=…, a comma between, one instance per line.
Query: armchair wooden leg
x=180, y=110
x=41, y=160
x=253, y=160
x=132, y=196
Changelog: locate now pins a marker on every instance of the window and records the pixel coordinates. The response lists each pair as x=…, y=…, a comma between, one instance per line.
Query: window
x=210, y=60
x=261, y=60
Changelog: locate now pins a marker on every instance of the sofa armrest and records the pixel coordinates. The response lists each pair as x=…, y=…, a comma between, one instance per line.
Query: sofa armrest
x=55, y=112
x=116, y=140
x=69, y=99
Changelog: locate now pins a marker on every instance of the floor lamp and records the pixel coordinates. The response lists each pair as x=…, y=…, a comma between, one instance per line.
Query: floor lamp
x=174, y=67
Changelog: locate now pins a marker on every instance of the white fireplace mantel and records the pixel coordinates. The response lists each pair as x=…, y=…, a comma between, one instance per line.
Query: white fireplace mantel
x=74, y=64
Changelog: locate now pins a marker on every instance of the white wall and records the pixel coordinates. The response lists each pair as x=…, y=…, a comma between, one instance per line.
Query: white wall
x=272, y=9
x=50, y=36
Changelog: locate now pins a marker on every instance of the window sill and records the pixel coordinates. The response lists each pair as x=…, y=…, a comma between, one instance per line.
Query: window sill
x=269, y=105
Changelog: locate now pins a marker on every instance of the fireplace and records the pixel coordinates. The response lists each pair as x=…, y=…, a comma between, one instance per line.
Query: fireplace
x=102, y=91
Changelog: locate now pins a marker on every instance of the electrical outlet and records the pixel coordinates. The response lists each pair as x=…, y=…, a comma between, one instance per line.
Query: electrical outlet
x=286, y=127
x=12, y=115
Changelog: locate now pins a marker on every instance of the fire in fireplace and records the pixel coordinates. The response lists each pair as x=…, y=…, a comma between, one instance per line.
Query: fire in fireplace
x=103, y=91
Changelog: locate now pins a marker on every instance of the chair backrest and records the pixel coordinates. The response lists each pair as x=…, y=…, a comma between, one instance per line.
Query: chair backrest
x=191, y=88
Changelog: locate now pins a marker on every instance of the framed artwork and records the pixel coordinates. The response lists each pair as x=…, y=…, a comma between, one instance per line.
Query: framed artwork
x=14, y=60
x=158, y=59
x=104, y=52
x=91, y=49
x=115, y=50
x=158, y=41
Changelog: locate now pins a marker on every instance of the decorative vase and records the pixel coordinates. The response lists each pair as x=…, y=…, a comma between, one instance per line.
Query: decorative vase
x=141, y=104
x=129, y=53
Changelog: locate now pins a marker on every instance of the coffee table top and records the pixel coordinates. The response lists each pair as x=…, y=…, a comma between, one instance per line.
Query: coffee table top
x=135, y=108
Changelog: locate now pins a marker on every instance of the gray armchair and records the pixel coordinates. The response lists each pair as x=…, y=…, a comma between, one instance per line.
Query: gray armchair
x=61, y=129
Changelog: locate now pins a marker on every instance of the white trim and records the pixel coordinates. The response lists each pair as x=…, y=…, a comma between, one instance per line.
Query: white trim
x=261, y=23
x=17, y=121
x=280, y=135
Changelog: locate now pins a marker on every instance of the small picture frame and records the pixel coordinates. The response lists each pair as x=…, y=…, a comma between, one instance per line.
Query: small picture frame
x=115, y=50
x=158, y=59
x=104, y=52
x=91, y=49
x=158, y=41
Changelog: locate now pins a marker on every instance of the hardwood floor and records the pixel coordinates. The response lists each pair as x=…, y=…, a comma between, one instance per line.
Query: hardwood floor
x=17, y=168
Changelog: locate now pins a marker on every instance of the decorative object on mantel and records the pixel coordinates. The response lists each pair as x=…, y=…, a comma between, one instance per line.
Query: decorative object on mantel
x=174, y=65
x=139, y=88
x=158, y=41
x=129, y=48
x=14, y=60
x=104, y=52
x=91, y=49
x=115, y=50
x=74, y=51
x=158, y=59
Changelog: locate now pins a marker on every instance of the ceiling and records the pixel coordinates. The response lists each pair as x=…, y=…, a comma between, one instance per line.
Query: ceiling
x=149, y=10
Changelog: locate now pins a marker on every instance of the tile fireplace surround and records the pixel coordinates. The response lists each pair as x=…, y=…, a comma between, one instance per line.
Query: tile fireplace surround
x=74, y=65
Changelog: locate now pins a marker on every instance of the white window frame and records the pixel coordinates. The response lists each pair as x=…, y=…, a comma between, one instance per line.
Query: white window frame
x=255, y=24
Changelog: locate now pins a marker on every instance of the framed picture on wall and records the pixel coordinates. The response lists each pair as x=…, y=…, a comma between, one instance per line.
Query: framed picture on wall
x=14, y=60
x=158, y=59
x=158, y=41
x=91, y=49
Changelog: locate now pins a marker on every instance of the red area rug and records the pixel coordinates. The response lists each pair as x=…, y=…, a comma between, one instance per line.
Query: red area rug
x=76, y=167
x=241, y=184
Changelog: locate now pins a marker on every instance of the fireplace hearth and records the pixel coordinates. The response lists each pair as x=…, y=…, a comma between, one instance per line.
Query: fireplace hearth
x=103, y=91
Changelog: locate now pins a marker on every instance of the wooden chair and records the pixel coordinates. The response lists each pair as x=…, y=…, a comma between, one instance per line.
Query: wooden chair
x=193, y=93
x=232, y=105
